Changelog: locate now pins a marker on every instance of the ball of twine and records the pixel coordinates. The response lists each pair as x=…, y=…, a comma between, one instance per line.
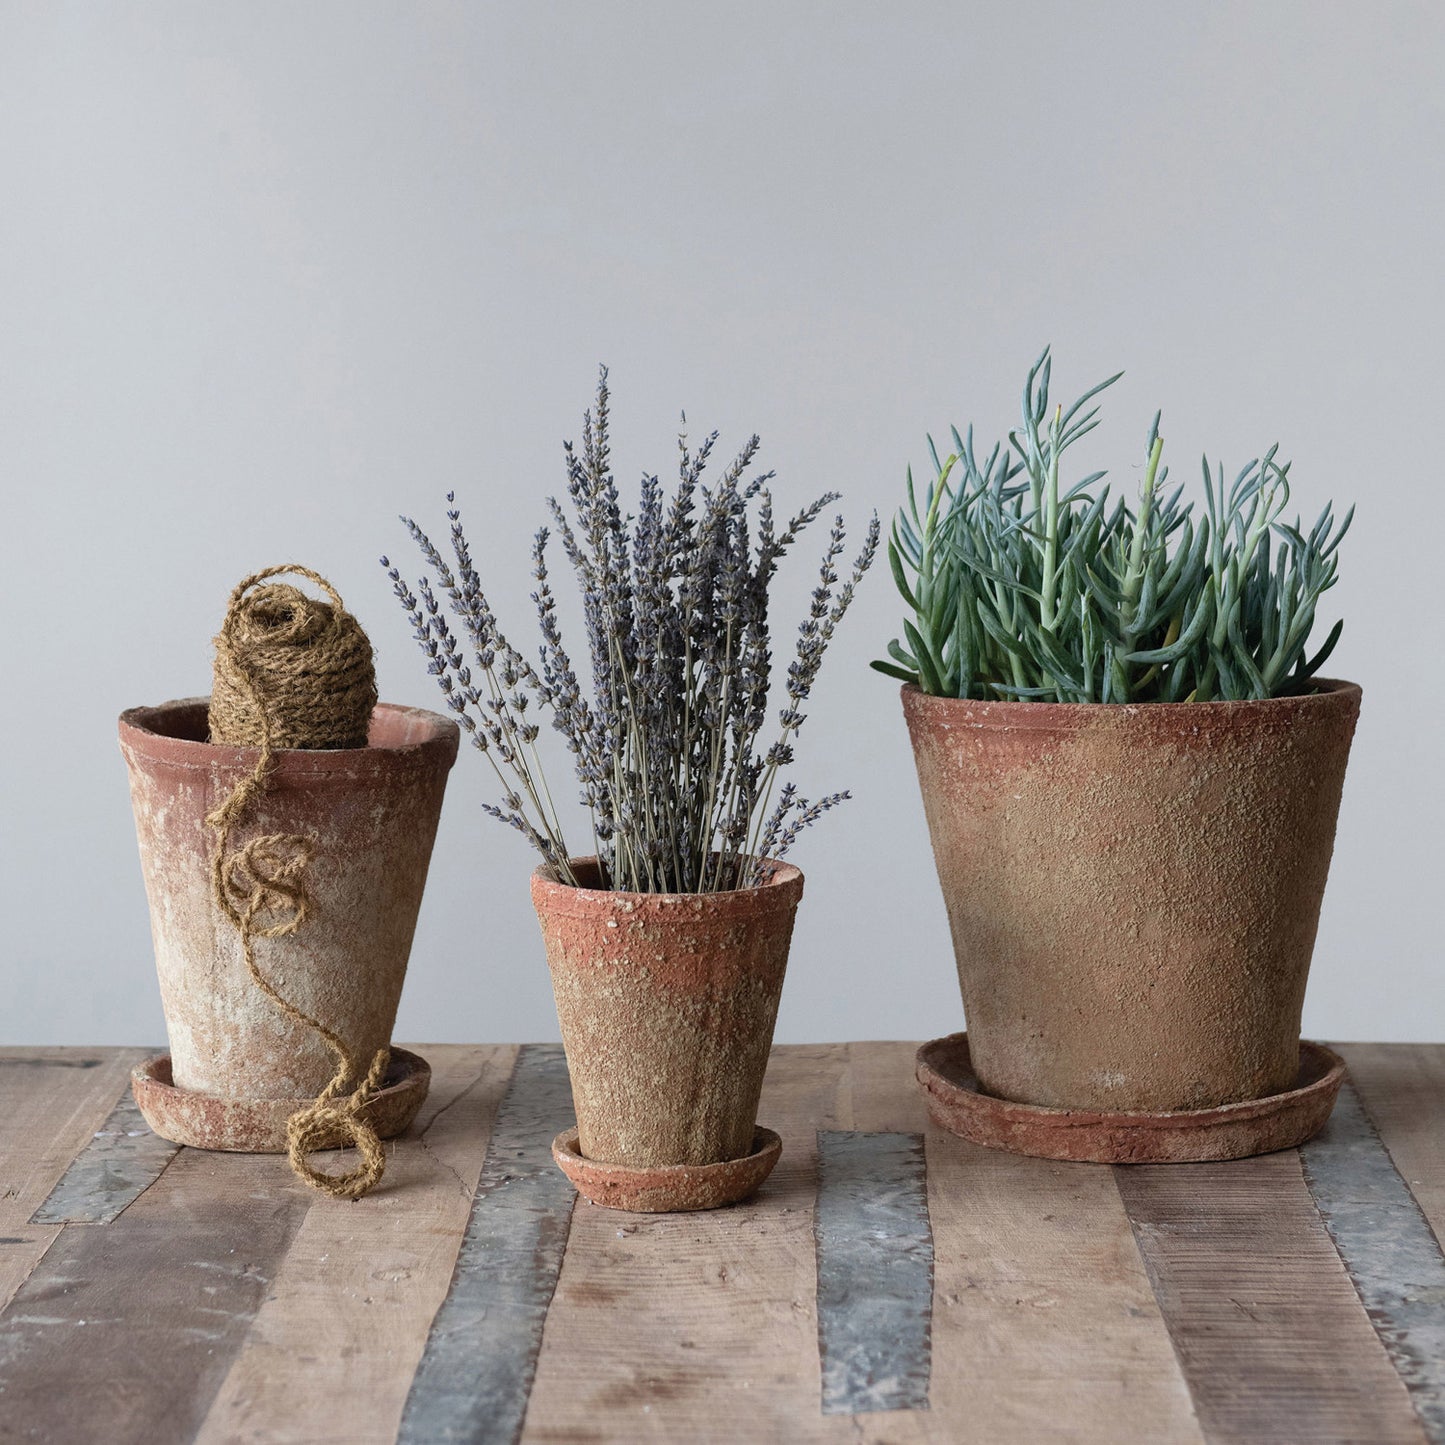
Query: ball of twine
x=291, y=671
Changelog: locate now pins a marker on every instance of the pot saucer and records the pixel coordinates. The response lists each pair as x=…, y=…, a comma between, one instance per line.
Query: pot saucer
x=1231, y=1131
x=258, y=1126
x=667, y=1188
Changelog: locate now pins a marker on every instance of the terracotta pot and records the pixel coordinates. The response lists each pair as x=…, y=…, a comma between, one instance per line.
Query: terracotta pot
x=372, y=813
x=1133, y=891
x=667, y=1003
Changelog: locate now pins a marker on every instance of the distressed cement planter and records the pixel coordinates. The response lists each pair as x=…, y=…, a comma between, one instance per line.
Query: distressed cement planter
x=1133, y=891
x=372, y=815
x=667, y=1188
x=667, y=1004
x=258, y=1126
x=1178, y=1136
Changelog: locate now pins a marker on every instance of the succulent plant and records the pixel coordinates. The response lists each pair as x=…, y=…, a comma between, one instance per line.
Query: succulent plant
x=1022, y=586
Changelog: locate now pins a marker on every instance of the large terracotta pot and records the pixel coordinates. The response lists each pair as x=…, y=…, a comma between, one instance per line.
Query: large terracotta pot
x=1133, y=891
x=667, y=1003
x=372, y=815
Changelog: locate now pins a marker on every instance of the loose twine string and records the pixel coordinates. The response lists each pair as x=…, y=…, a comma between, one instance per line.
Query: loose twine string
x=292, y=672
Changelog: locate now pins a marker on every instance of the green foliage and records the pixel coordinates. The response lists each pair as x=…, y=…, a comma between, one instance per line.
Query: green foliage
x=1020, y=587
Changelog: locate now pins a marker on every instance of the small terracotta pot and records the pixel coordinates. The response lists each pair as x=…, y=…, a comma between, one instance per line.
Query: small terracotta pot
x=667, y=1003
x=1133, y=891
x=372, y=815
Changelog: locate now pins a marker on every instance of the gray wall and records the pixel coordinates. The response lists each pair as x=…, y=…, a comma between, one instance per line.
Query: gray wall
x=271, y=273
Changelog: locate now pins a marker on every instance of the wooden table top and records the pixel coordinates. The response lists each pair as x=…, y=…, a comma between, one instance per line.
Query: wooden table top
x=890, y=1283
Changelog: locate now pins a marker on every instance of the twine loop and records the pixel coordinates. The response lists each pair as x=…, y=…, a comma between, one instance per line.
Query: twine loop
x=322, y=1124
x=292, y=672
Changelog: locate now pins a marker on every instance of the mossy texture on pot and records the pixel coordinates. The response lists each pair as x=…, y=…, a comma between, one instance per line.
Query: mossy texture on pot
x=667, y=1004
x=1133, y=891
x=372, y=814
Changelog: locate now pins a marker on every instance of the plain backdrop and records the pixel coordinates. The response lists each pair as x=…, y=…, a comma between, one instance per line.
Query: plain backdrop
x=273, y=272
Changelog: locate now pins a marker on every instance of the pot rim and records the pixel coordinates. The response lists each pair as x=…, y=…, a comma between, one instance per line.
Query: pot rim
x=1330, y=693
x=781, y=891
x=139, y=734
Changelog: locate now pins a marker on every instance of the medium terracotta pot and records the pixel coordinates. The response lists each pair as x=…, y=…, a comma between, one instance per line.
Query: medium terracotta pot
x=372, y=815
x=667, y=1003
x=1133, y=891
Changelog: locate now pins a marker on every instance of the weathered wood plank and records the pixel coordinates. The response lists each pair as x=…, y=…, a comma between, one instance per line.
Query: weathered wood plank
x=121, y=1161
x=1044, y=1325
x=1387, y=1247
x=1040, y=1298
x=125, y=1331
x=880, y=1092
x=704, y=1327
x=476, y=1370
x=51, y=1102
x=1267, y=1327
x=875, y=1272
x=700, y=1327
x=331, y=1353
x=1403, y=1089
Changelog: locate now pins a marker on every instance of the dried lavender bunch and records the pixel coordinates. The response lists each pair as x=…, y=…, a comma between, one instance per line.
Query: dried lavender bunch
x=683, y=793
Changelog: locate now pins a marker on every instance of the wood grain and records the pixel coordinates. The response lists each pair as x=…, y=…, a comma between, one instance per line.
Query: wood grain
x=332, y=1350
x=476, y=1370
x=52, y=1101
x=699, y=1327
x=1266, y=1324
x=1393, y=1258
x=227, y=1303
x=1044, y=1324
x=125, y=1331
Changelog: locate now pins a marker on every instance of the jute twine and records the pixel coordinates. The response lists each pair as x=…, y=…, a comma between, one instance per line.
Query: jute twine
x=292, y=672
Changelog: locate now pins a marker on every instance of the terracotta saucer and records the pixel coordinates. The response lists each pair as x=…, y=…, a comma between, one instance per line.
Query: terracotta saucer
x=668, y=1188
x=258, y=1126
x=1231, y=1131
